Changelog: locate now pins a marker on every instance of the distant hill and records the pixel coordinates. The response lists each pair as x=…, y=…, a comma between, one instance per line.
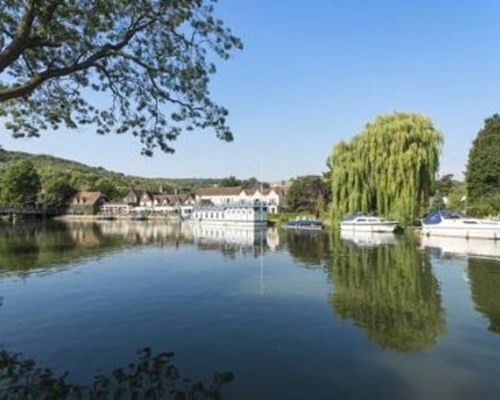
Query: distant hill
x=85, y=177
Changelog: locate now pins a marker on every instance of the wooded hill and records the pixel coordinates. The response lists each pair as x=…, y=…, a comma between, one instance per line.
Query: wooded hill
x=85, y=177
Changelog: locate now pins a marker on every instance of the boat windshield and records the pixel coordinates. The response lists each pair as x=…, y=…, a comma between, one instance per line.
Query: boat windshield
x=436, y=217
x=352, y=217
x=448, y=214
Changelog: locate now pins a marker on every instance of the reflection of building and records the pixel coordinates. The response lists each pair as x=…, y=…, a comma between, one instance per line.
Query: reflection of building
x=240, y=236
x=205, y=235
x=273, y=238
x=84, y=236
x=141, y=231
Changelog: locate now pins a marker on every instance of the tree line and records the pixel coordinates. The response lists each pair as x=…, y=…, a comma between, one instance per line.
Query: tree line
x=390, y=169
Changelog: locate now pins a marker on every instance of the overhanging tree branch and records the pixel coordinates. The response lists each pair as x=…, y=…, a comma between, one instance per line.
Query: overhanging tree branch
x=152, y=59
x=20, y=40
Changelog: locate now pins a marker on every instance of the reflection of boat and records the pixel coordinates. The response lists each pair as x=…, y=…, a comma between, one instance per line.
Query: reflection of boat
x=313, y=224
x=368, y=239
x=241, y=236
x=106, y=217
x=455, y=224
x=461, y=246
x=139, y=217
x=367, y=223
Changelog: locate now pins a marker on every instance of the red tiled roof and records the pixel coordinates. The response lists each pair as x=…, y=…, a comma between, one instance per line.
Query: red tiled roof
x=171, y=198
x=87, y=197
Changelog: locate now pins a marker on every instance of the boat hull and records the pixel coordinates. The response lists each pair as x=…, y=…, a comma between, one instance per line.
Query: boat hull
x=380, y=227
x=462, y=231
x=303, y=225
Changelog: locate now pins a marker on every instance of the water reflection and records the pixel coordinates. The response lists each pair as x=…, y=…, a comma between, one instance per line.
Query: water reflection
x=29, y=246
x=449, y=247
x=307, y=247
x=389, y=291
x=484, y=277
x=368, y=238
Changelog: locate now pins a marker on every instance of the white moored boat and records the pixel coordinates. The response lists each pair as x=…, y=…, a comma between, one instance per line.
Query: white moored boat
x=230, y=214
x=367, y=223
x=455, y=224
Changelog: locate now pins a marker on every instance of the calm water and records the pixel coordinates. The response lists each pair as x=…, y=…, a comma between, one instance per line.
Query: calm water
x=293, y=315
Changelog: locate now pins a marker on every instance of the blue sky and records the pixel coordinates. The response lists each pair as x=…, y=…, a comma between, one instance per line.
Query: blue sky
x=315, y=72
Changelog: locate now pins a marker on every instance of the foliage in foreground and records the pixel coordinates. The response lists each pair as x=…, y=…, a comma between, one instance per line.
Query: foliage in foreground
x=148, y=61
x=388, y=169
x=150, y=377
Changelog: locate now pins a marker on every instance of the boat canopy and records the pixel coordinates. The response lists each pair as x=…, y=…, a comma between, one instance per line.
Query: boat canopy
x=436, y=217
x=351, y=217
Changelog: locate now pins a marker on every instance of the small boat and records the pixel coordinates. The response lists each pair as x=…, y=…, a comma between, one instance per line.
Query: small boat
x=367, y=223
x=456, y=224
x=312, y=224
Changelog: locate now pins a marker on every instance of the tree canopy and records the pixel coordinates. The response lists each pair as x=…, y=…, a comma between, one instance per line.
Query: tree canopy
x=153, y=58
x=307, y=193
x=389, y=168
x=483, y=169
x=20, y=184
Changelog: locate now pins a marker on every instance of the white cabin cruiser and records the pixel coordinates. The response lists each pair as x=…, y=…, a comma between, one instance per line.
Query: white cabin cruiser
x=367, y=223
x=455, y=224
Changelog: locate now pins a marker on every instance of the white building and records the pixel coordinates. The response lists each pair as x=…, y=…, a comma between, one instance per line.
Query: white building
x=231, y=214
x=273, y=197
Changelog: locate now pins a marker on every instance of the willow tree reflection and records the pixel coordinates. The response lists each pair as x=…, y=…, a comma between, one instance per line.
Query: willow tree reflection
x=389, y=291
x=484, y=278
x=307, y=247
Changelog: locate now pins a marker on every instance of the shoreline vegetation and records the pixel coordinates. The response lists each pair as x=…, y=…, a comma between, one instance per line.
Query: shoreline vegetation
x=389, y=169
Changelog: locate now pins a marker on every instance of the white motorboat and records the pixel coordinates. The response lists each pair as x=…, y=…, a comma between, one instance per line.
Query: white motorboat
x=455, y=224
x=367, y=223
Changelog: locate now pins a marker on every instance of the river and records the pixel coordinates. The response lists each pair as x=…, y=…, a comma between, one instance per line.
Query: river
x=286, y=314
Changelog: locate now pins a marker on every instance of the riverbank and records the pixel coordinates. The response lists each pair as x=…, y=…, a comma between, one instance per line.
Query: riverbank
x=96, y=217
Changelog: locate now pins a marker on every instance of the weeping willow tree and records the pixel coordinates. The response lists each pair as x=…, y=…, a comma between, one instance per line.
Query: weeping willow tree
x=388, y=168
